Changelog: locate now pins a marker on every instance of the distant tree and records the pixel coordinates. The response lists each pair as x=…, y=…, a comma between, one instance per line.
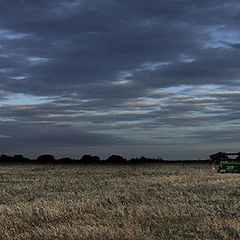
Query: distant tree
x=133, y=160
x=116, y=159
x=47, y=158
x=65, y=160
x=20, y=159
x=159, y=159
x=89, y=159
x=144, y=160
x=5, y=158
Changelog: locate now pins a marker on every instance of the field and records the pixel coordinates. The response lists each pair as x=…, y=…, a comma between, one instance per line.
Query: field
x=95, y=202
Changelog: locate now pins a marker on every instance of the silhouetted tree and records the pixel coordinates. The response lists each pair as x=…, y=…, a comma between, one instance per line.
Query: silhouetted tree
x=144, y=160
x=116, y=159
x=47, y=158
x=20, y=159
x=89, y=159
x=65, y=160
x=4, y=158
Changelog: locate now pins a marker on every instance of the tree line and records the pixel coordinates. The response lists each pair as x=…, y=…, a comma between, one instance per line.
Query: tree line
x=85, y=159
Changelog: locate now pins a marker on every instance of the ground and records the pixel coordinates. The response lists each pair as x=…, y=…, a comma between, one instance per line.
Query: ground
x=93, y=202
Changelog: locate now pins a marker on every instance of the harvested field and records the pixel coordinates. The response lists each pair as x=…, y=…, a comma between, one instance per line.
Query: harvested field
x=93, y=202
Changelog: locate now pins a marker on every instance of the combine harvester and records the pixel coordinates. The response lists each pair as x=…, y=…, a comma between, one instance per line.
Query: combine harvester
x=227, y=164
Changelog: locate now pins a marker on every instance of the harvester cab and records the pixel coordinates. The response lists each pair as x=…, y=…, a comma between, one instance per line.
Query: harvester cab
x=227, y=164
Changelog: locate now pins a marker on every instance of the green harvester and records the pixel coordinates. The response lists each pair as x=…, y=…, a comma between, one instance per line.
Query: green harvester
x=227, y=164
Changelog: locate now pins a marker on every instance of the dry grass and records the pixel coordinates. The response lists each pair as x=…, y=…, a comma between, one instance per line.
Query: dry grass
x=118, y=202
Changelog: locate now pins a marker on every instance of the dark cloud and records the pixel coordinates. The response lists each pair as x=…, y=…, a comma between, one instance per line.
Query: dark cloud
x=109, y=68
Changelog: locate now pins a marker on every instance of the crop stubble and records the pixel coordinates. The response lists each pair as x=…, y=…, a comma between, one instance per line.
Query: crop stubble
x=92, y=202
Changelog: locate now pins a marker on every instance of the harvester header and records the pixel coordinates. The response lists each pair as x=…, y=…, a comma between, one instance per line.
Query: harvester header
x=227, y=164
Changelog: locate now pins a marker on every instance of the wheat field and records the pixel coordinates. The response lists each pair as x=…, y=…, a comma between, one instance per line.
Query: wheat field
x=96, y=202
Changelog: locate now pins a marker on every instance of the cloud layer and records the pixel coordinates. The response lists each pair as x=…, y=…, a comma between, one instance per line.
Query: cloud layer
x=137, y=77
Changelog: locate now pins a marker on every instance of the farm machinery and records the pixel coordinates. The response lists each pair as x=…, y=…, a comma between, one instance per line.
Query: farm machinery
x=226, y=163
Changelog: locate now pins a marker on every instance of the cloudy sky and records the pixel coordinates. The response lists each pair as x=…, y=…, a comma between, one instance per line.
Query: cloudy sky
x=129, y=77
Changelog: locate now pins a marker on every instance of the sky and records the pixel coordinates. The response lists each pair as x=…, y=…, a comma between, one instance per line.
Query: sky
x=128, y=77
